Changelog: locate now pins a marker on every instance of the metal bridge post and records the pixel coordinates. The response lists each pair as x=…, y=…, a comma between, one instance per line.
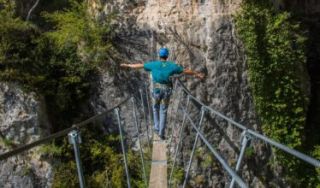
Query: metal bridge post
x=203, y=110
x=244, y=142
x=140, y=146
x=179, y=142
x=75, y=140
x=123, y=149
x=145, y=117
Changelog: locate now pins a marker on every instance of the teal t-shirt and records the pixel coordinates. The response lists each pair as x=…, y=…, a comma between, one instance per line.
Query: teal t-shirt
x=161, y=71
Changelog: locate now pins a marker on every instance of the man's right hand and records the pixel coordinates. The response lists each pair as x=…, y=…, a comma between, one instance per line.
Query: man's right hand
x=123, y=65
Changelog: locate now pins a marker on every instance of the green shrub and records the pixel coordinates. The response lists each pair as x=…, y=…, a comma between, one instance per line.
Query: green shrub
x=102, y=162
x=65, y=175
x=51, y=150
x=275, y=48
x=61, y=64
x=60, y=59
x=177, y=177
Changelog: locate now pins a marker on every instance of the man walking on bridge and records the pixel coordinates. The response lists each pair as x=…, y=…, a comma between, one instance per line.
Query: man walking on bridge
x=162, y=86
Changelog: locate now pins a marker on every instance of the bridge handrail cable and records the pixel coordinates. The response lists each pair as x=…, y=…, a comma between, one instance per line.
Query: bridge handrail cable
x=64, y=132
x=280, y=146
x=231, y=172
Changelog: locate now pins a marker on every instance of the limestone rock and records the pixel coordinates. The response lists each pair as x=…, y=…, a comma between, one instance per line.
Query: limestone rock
x=22, y=120
x=201, y=36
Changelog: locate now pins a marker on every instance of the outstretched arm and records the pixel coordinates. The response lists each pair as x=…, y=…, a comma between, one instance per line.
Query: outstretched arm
x=134, y=66
x=193, y=73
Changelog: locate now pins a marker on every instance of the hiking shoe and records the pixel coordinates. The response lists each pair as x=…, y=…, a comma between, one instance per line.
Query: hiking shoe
x=162, y=137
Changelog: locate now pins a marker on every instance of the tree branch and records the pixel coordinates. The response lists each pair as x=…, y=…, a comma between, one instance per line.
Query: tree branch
x=32, y=8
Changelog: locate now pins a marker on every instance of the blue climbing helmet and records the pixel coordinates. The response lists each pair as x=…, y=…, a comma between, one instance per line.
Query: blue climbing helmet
x=163, y=52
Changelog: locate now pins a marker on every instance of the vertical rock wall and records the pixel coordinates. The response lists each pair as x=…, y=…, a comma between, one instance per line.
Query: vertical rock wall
x=201, y=36
x=22, y=120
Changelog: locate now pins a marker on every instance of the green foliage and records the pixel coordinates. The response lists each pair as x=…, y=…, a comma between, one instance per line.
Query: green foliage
x=60, y=60
x=316, y=154
x=205, y=157
x=107, y=163
x=102, y=161
x=275, y=48
x=177, y=176
x=61, y=64
x=207, y=161
x=65, y=175
x=75, y=28
x=249, y=152
x=15, y=38
x=52, y=150
x=7, y=6
x=7, y=142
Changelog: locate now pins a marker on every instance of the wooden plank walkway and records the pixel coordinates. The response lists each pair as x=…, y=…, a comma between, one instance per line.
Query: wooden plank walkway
x=158, y=175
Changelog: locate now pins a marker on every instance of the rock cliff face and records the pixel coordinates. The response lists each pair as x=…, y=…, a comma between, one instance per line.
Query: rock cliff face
x=22, y=120
x=201, y=36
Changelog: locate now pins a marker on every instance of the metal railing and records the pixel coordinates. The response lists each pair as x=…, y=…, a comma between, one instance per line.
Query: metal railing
x=255, y=134
x=75, y=139
x=246, y=135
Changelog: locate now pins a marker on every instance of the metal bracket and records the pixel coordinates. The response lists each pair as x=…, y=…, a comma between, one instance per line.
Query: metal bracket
x=117, y=109
x=74, y=137
x=245, y=134
x=204, y=109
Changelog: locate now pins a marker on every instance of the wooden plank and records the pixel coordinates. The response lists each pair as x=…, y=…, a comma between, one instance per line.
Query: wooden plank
x=158, y=175
x=159, y=152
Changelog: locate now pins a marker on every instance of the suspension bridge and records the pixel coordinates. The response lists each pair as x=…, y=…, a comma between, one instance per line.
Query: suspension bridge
x=161, y=174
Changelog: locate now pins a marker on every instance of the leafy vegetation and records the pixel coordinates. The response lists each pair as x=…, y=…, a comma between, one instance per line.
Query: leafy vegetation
x=60, y=63
x=59, y=56
x=7, y=142
x=177, y=176
x=275, y=48
x=102, y=161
